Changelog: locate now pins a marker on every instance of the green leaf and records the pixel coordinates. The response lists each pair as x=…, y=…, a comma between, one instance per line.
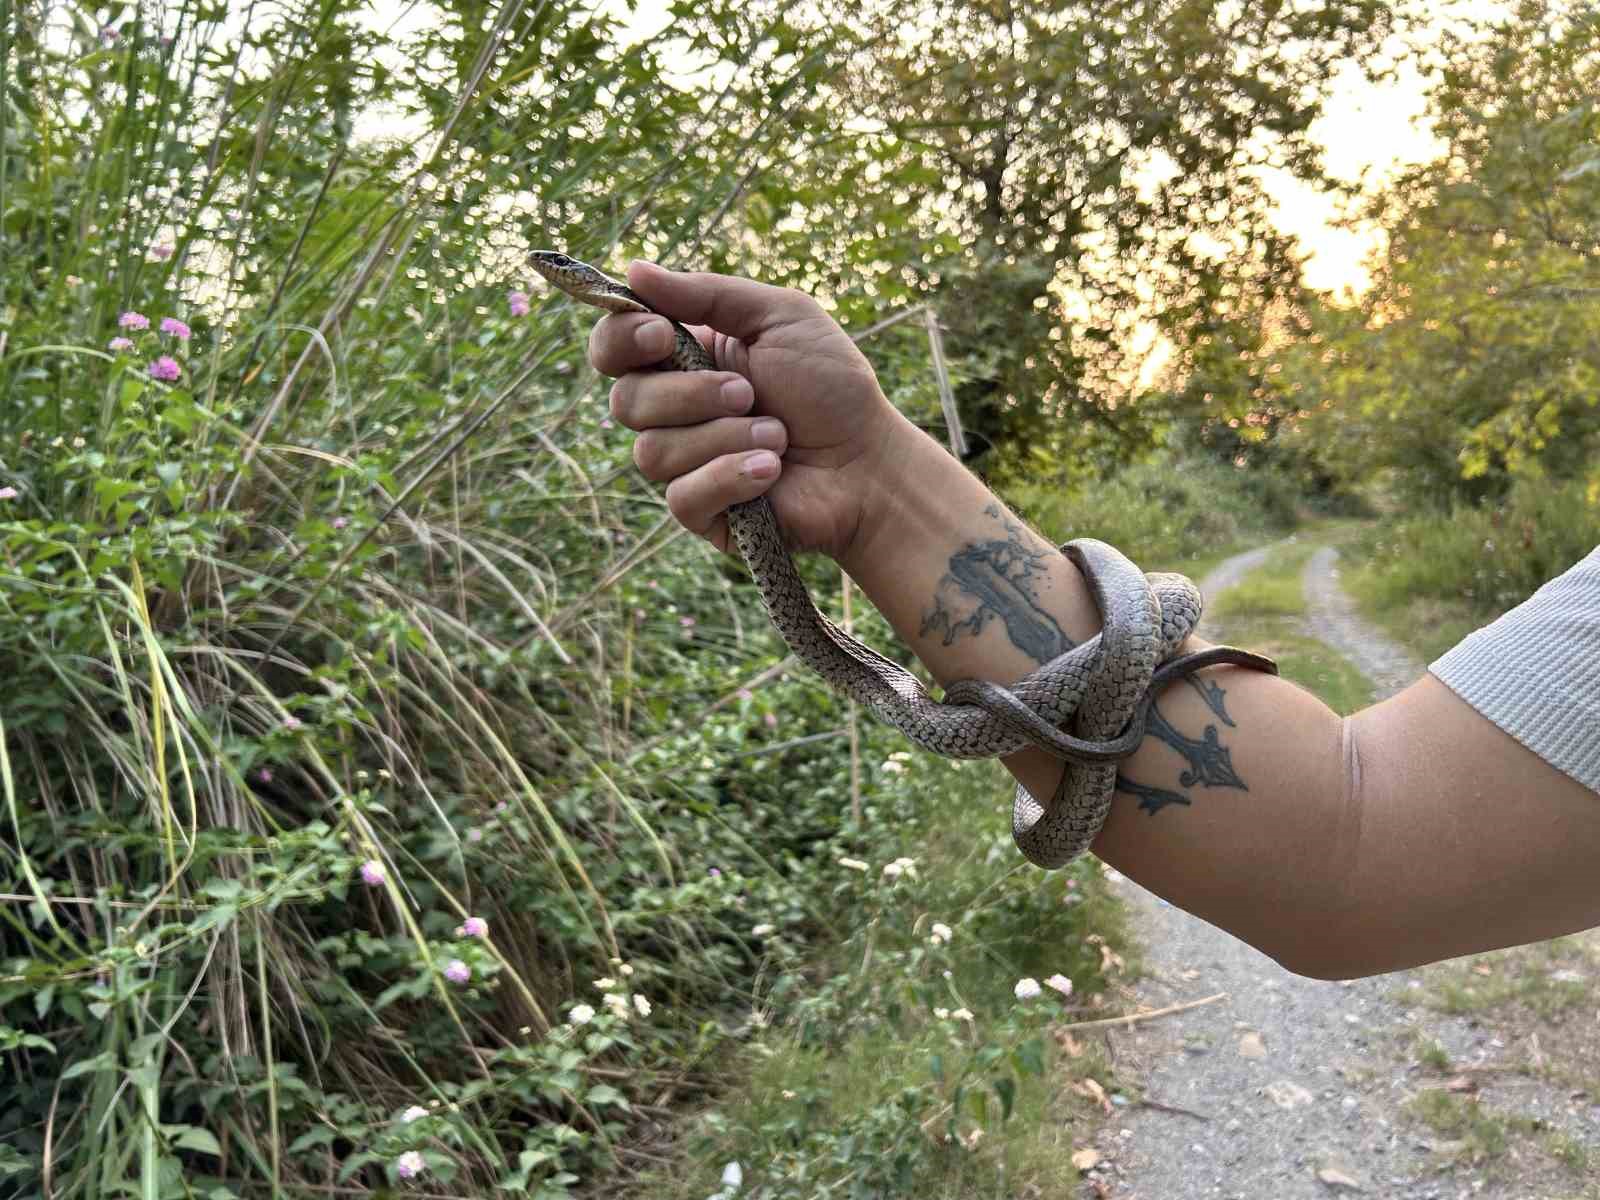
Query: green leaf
x=192, y=1137
x=606, y=1094
x=1006, y=1087
x=936, y=1066
x=1030, y=1057
x=104, y=1061
x=978, y=1102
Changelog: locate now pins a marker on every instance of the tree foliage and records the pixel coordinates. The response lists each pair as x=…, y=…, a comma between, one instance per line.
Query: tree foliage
x=1474, y=359
x=1051, y=177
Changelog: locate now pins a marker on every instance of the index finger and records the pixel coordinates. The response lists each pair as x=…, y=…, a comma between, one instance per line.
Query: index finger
x=624, y=342
x=727, y=303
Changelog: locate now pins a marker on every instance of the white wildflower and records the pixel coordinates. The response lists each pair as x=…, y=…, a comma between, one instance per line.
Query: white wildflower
x=581, y=1014
x=606, y=984
x=941, y=933
x=962, y=1014
x=901, y=866
x=762, y=929
x=617, y=1003
x=941, y=1013
x=641, y=1004
x=853, y=864
x=415, y=1113
x=1026, y=989
x=1060, y=983
x=732, y=1177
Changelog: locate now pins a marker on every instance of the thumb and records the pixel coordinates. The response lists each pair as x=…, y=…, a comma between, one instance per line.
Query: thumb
x=739, y=307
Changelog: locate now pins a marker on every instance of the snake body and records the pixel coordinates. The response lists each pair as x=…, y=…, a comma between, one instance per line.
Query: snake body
x=1107, y=684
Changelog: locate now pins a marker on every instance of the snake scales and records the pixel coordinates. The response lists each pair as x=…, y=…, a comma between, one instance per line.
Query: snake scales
x=1108, y=682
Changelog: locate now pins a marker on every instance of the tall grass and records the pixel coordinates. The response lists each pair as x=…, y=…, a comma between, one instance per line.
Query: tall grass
x=338, y=620
x=1174, y=512
x=1435, y=577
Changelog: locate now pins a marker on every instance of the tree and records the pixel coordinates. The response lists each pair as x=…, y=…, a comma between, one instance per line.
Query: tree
x=1477, y=360
x=1051, y=176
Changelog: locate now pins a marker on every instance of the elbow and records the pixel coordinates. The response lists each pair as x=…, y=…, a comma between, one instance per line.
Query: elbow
x=1338, y=934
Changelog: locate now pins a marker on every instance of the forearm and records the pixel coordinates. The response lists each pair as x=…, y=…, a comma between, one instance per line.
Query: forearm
x=1339, y=847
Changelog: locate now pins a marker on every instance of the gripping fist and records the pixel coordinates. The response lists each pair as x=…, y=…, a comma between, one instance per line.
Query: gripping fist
x=793, y=410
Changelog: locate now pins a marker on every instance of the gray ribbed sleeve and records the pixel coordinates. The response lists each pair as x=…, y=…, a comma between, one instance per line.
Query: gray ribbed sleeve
x=1536, y=672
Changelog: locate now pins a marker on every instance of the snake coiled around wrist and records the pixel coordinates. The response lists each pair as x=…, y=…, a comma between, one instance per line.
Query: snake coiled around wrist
x=1088, y=707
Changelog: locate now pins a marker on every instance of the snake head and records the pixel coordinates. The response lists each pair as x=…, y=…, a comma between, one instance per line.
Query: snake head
x=583, y=282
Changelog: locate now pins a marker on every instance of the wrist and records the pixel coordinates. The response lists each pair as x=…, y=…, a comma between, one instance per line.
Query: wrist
x=902, y=475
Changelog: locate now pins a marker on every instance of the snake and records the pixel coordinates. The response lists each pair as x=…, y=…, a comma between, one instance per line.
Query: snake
x=1088, y=707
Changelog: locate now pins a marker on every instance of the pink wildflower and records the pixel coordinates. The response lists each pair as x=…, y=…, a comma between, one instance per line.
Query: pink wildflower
x=340, y=522
x=605, y=422
x=743, y=694
x=176, y=328
x=133, y=320
x=714, y=872
x=165, y=368
x=457, y=971
x=410, y=1164
x=473, y=927
x=8, y=493
x=119, y=344
x=108, y=34
x=372, y=872
x=519, y=303
x=474, y=834
x=161, y=250
x=1059, y=983
x=686, y=622
x=264, y=775
x=771, y=720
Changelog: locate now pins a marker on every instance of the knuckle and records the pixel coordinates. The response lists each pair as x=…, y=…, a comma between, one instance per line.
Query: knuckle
x=678, y=504
x=603, y=348
x=649, y=455
x=623, y=404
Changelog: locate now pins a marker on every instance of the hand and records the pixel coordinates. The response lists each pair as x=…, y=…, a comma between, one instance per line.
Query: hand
x=789, y=381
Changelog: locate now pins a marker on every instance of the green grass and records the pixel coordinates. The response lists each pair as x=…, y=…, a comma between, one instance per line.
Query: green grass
x=1522, y=976
x=868, y=1087
x=1431, y=579
x=1263, y=612
x=1174, y=514
x=1483, y=1135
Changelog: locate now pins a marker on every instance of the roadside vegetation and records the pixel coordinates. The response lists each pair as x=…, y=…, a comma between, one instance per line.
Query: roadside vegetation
x=393, y=797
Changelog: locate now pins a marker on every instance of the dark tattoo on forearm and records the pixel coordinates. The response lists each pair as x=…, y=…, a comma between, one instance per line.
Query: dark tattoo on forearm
x=992, y=579
x=1210, y=763
x=1151, y=799
x=1213, y=695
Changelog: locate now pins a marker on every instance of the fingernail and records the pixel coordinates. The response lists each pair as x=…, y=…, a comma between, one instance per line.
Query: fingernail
x=769, y=433
x=654, y=337
x=760, y=465
x=737, y=395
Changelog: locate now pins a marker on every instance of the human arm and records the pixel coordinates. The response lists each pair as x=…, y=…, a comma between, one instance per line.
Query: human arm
x=1412, y=831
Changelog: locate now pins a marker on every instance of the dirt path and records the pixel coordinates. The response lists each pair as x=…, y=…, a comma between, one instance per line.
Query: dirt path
x=1331, y=617
x=1296, y=1088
